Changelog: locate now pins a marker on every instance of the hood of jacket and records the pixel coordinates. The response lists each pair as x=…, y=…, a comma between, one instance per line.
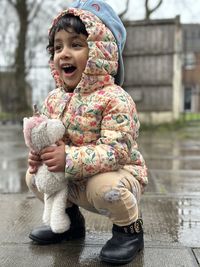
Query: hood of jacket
x=102, y=60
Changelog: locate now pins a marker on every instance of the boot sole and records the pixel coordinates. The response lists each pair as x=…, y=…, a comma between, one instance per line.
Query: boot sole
x=119, y=262
x=70, y=236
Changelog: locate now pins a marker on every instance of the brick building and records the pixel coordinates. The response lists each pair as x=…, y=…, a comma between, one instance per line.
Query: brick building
x=191, y=67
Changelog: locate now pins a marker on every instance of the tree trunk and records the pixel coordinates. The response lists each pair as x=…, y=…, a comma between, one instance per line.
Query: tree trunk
x=20, y=102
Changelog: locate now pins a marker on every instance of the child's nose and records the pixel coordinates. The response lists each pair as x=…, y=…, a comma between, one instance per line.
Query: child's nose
x=65, y=53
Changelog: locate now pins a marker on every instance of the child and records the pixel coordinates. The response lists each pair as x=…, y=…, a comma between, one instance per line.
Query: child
x=105, y=170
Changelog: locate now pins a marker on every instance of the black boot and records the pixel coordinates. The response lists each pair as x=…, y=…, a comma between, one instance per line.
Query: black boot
x=43, y=235
x=124, y=245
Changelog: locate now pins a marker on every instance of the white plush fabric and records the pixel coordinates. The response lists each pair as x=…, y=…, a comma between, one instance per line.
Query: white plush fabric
x=41, y=132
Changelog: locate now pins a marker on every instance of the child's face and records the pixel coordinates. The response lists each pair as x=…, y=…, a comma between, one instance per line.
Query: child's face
x=70, y=57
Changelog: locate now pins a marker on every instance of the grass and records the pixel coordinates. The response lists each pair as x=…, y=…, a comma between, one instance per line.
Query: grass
x=172, y=126
x=185, y=121
x=186, y=127
x=191, y=116
x=18, y=116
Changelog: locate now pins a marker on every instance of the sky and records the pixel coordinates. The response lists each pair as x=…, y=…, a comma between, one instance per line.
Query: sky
x=189, y=10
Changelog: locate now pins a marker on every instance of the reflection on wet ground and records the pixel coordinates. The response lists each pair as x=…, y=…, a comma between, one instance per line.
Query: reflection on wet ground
x=173, y=159
x=13, y=154
x=170, y=206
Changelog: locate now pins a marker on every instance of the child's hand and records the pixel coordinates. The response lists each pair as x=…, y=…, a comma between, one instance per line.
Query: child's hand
x=54, y=157
x=34, y=161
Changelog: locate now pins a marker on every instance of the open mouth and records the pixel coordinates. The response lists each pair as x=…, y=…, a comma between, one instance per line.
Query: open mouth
x=69, y=69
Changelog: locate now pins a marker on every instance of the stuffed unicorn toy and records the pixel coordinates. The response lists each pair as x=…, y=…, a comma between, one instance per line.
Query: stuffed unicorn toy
x=40, y=132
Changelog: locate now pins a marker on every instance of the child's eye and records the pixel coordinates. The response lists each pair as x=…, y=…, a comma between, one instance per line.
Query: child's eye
x=77, y=44
x=57, y=47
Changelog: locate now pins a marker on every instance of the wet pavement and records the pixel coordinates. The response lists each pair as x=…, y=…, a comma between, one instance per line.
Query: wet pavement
x=169, y=207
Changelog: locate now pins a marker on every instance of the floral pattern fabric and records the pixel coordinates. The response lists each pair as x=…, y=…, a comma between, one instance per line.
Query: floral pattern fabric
x=100, y=117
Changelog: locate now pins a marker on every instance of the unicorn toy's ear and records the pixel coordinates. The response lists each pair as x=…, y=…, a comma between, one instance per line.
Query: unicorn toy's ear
x=36, y=112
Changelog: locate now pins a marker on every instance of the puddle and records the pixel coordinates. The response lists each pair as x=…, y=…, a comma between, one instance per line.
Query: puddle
x=13, y=155
x=173, y=160
x=174, y=165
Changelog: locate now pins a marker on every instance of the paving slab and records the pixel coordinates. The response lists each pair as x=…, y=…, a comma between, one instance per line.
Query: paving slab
x=197, y=255
x=22, y=212
x=169, y=207
x=178, y=182
x=167, y=220
x=76, y=255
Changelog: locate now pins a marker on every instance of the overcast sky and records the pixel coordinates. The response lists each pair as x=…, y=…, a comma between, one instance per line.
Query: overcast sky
x=189, y=10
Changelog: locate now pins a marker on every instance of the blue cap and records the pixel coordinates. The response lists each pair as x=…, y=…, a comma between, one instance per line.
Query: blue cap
x=109, y=17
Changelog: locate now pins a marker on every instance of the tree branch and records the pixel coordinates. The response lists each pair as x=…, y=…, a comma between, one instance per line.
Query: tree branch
x=149, y=11
x=146, y=4
x=12, y=3
x=37, y=8
x=126, y=9
x=157, y=6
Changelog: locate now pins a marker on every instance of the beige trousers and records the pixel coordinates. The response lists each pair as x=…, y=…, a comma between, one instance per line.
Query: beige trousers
x=113, y=194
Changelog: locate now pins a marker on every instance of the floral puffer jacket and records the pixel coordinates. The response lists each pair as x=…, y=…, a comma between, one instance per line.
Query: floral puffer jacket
x=100, y=117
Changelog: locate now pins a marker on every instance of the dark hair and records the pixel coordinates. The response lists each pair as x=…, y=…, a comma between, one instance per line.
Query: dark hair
x=64, y=23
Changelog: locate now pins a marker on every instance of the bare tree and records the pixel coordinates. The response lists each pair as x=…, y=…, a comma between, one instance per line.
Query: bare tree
x=5, y=29
x=29, y=14
x=121, y=15
x=26, y=12
x=149, y=11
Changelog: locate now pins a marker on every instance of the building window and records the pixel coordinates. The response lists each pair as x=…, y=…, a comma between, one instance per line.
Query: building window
x=188, y=99
x=189, y=61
